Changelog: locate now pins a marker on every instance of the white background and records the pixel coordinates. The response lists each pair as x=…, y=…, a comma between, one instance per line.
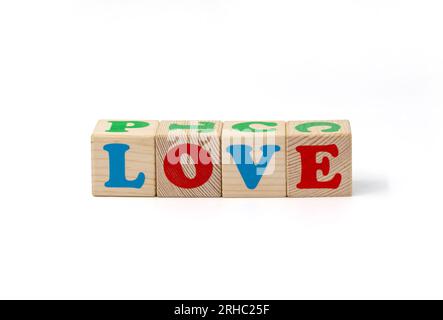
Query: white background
x=65, y=64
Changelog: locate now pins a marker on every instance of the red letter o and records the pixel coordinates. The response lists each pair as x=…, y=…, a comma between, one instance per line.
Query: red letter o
x=174, y=170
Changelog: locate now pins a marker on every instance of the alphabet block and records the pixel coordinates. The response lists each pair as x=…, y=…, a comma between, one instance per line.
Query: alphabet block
x=254, y=159
x=123, y=158
x=319, y=157
x=188, y=159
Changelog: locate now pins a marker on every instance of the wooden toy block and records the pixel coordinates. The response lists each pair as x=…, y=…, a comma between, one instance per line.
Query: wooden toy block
x=254, y=159
x=319, y=158
x=188, y=159
x=123, y=158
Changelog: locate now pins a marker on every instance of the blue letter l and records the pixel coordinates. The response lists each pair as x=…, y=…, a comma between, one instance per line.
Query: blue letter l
x=117, y=170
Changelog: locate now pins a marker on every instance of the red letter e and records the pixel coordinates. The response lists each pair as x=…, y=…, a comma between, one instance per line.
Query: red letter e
x=310, y=166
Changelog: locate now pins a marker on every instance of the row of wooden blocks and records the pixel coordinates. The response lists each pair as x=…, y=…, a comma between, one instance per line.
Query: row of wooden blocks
x=212, y=159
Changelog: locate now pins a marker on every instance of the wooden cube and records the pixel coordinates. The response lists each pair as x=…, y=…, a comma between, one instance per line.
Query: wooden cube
x=123, y=158
x=254, y=159
x=319, y=157
x=188, y=159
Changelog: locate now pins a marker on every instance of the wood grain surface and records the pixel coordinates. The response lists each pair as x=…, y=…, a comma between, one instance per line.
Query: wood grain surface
x=342, y=164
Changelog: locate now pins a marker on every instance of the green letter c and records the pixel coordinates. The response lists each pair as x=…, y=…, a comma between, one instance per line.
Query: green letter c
x=246, y=126
x=304, y=127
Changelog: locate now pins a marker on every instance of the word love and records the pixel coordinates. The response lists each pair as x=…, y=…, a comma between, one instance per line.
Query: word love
x=149, y=158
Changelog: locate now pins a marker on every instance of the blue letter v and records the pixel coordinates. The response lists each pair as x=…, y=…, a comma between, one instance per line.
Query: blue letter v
x=251, y=172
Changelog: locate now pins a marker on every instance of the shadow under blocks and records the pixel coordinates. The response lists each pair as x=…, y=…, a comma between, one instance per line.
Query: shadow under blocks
x=209, y=158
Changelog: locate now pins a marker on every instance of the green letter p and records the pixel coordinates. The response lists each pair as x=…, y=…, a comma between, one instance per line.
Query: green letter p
x=121, y=126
